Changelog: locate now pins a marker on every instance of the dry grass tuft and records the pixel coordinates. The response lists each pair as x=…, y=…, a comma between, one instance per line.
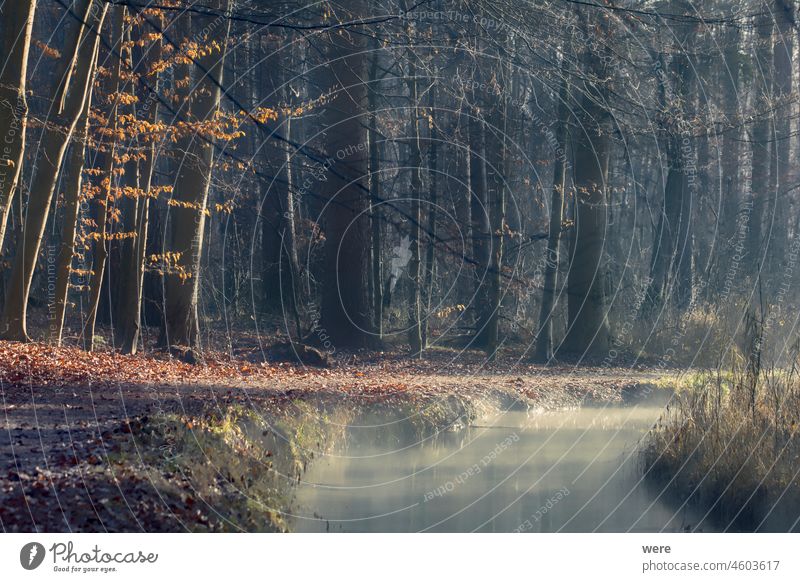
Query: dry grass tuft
x=729, y=443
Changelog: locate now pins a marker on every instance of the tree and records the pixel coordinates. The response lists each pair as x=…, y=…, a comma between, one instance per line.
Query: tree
x=671, y=263
x=73, y=79
x=69, y=220
x=588, y=331
x=761, y=136
x=105, y=198
x=345, y=316
x=17, y=23
x=415, y=333
x=130, y=308
x=480, y=227
x=782, y=51
x=497, y=175
x=277, y=208
x=433, y=203
x=376, y=193
x=190, y=197
x=544, y=339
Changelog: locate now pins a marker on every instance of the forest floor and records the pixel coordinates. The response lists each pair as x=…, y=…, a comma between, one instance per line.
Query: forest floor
x=77, y=426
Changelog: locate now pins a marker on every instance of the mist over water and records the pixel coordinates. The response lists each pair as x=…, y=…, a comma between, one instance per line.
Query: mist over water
x=574, y=470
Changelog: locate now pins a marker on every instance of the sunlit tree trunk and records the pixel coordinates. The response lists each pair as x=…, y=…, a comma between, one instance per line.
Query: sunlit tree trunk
x=131, y=315
x=17, y=23
x=105, y=197
x=281, y=267
x=278, y=237
x=69, y=221
x=182, y=332
x=74, y=75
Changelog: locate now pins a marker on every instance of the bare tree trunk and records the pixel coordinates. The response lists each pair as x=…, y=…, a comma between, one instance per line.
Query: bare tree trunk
x=289, y=236
x=74, y=76
x=544, y=339
x=122, y=269
x=433, y=202
x=131, y=316
x=72, y=194
x=588, y=332
x=463, y=212
x=376, y=195
x=100, y=254
x=782, y=90
x=496, y=179
x=278, y=237
x=345, y=312
x=761, y=138
x=182, y=331
x=415, y=264
x=17, y=20
x=480, y=224
x=730, y=196
x=671, y=263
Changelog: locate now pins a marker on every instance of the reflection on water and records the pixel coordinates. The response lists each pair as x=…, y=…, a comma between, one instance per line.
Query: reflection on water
x=574, y=470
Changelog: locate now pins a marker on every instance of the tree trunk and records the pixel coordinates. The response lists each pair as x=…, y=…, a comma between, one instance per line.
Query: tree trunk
x=106, y=198
x=130, y=318
x=496, y=180
x=761, y=137
x=544, y=339
x=462, y=210
x=728, y=214
x=190, y=196
x=278, y=238
x=17, y=20
x=122, y=270
x=345, y=316
x=70, y=99
x=782, y=90
x=671, y=263
x=587, y=332
x=69, y=222
x=415, y=264
x=376, y=214
x=480, y=225
x=433, y=203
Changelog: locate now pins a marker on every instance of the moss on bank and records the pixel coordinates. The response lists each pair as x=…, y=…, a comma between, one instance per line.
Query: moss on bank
x=238, y=466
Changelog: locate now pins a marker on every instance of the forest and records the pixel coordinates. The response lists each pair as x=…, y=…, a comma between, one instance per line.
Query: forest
x=241, y=237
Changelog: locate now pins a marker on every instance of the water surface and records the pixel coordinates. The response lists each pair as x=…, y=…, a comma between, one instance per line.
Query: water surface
x=570, y=470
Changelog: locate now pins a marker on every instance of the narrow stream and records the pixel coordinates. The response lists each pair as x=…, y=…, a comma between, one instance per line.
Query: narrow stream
x=571, y=470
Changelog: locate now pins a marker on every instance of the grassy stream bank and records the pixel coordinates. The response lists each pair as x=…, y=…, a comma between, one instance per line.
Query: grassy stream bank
x=240, y=467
